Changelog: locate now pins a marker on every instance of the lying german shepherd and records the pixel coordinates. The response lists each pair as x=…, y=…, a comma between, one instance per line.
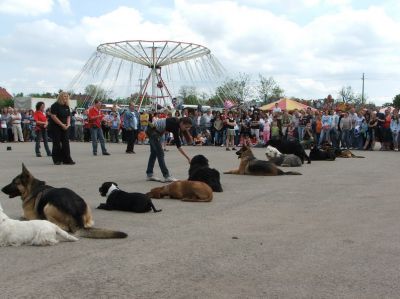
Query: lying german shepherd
x=250, y=165
x=340, y=153
x=62, y=206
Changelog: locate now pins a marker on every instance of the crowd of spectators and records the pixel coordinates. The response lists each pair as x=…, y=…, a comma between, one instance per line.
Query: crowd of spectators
x=232, y=128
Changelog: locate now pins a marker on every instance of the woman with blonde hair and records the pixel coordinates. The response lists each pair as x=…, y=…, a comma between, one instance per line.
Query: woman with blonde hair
x=60, y=121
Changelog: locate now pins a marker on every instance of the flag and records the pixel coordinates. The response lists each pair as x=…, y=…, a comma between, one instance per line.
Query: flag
x=228, y=104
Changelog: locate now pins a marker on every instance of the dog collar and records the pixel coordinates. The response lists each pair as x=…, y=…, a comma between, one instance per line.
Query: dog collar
x=111, y=189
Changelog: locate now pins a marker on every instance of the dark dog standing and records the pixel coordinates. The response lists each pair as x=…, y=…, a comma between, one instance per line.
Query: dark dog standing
x=290, y=147
x=200, y=171
x=124, y=201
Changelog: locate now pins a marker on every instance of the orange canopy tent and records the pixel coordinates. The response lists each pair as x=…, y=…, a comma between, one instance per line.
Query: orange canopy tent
x=285, y=104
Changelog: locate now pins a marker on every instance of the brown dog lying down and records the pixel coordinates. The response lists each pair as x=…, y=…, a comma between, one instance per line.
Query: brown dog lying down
x=184, y=190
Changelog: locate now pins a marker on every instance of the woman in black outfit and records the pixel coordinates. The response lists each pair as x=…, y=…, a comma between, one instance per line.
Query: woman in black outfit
x=60, y=121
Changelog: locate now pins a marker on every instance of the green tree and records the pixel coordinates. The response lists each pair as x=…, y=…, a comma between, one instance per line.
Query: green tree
x=135, y=98
x=268, y=89
x=7, y=103
x=234, y=89
x=215, y=101
x=47, y=95
x=346, y=94
x=96, y=92
x=396, y=101
x=186, y=91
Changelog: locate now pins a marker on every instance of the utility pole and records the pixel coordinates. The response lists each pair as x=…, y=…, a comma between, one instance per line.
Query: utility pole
x=362, y=92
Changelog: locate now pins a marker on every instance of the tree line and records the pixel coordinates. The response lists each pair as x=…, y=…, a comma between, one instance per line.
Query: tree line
x=239, y=90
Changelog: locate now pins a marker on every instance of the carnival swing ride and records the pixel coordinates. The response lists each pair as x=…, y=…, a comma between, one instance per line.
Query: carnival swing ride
x=152, y=70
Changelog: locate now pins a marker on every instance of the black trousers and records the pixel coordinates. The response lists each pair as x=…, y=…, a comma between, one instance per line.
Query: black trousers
x=131, y=136
x=61, y=151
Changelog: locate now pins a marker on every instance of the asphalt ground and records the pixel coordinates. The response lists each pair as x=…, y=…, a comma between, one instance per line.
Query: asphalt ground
x=333, y=232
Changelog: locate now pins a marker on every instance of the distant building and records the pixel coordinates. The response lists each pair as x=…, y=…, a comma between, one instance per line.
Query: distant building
x=4, y=95
x=27, y=103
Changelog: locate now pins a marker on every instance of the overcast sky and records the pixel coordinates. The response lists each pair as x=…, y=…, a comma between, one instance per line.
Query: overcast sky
x=310, y=47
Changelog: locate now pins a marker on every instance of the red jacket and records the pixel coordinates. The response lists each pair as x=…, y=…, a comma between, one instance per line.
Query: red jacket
x=39, y=116
x=95, y=121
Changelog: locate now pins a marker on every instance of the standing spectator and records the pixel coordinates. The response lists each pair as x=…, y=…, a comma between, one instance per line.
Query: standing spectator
x=205, y=121
x=255, y=127
x=371, y=136
x=131, y=125
x=86, y=126
x=105, y=125
x=326, y=120
x=276, y=110
x=387, y=134
x=318, y=128
x=353, y=117
x=395, y=129
x=345, y=127
x=27, y=124
x=5, y=118
x=308, y=136
x=230, y=123
x=72, y=127
x=275, y=131
x=286, y=120
x=78, y=126
x=218, y=129
x=302, y=125
x=266, y=131
x=60, y=121
x=334, y=132
x=144, y=120
x=41, y=129
x=115, y=125
x=358, y=138
x=16, y=126
x=95, y=117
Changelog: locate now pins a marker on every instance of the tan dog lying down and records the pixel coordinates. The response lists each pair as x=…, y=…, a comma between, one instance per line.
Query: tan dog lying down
x=184, y=190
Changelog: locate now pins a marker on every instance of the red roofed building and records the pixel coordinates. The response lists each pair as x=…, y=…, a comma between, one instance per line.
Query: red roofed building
x=4, y=95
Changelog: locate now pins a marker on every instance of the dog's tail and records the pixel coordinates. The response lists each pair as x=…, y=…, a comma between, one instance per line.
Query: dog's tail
x=100, y=233
x=66, y=236
x=290, y=173
x=354, y=156
x=154, y=208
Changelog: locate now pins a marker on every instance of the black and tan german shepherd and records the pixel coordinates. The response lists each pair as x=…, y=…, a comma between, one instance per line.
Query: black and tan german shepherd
x=250, y=165
x=62, y=206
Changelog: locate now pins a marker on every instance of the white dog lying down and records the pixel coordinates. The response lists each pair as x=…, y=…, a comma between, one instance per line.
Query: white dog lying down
x=33, y=232
x=280, y=159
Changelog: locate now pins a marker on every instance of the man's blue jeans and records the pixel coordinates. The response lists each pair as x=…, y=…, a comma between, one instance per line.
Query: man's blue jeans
x=156, y=152
x=97, y=133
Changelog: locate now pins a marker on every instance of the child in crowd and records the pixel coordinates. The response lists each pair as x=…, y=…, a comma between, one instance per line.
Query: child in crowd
x=266, y=132
x=275, y=130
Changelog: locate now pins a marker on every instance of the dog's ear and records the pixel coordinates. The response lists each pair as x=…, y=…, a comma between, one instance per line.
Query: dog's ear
x=25, y=171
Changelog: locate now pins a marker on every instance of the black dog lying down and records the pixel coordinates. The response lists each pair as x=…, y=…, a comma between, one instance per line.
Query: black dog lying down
x=317, y=154
x=200, y=171
x=124, y=201
x=290, y=147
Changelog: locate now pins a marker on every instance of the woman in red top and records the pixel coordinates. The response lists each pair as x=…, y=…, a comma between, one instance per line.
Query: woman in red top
x=41, y=129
